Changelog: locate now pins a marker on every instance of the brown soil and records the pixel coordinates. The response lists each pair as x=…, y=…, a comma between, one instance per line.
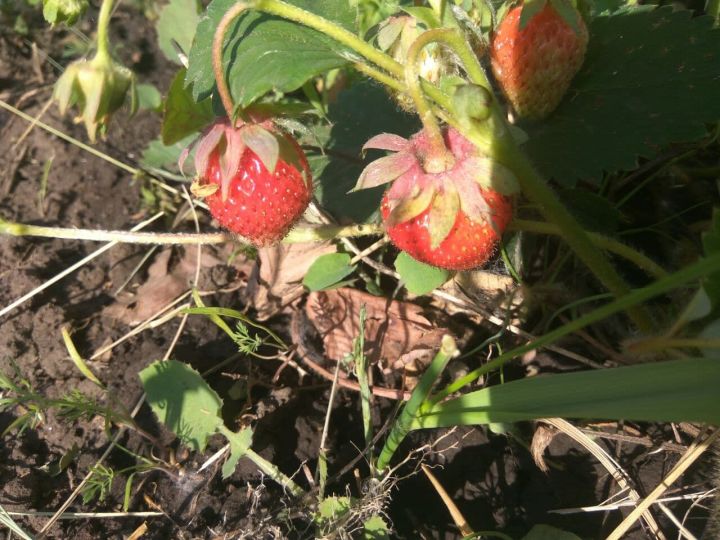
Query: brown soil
x=491, y=477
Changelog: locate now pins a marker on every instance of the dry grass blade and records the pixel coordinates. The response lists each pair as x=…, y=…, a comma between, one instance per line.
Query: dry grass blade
x=618, y=474
x=455, y=513
x=692, y=454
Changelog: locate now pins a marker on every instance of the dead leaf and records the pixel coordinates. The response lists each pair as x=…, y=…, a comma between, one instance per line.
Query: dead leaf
x=542, y=438
x=276, y=281
x=491, y=291
x=167, y=278
x=397, y=334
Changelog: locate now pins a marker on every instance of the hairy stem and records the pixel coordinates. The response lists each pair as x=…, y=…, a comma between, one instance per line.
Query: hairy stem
x=440, y=158
x=217, y=50
x=296, y=236
x=604, y=242
x=395, y=70
x=103, y=41
x=492, y=137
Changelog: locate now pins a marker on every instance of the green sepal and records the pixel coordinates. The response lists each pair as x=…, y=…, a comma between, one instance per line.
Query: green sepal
x=530, y=8
x=443, y=214
x=99, y=88
x=265, y=144
x=411, y=207
x=568, y=13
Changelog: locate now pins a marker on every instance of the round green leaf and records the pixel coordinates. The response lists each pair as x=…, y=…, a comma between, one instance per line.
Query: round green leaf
x=419, y=278
x=327, y=271
x=183, y=401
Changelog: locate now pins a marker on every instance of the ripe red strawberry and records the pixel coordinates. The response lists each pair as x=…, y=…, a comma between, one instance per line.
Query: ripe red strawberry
x=534, y=65
x=451, y=218
x=234, y=164
x=469, y=244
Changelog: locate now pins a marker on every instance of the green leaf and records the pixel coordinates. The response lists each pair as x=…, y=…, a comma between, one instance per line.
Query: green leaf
x=264, y=52
x=178, y=20
x=711, y=246
x=160, y=156
x=649, y=78
x=546, y=532
x=239, y=445
x=183, y=401
x=676, y=391
x=148, y=97
x=360, y=112
x=182, y=115
x=328, y=270
x=375, y=528
x=419, y=278
x=331, y=508
x=699, y=307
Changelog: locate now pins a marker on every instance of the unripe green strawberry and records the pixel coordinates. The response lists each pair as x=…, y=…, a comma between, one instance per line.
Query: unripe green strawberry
x=98, y=87
x=535, y=63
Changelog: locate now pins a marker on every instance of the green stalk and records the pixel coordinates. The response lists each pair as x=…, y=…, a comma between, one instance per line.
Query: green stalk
x=267, y=467
x=103, y=41
x=439, y=158
x=361, y=372
x=403, y=424
x=295, y=236
x=604, y=242
x=301, y=16
x=698, y=270
x=329, y=28
x=273, y=472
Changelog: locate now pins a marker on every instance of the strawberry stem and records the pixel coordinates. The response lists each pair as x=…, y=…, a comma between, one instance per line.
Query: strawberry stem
x=384, y=61
x=491, y=136
x=439, y=158
x=217, y=50
x=603, y=242
x=296, y=236
x=103, y=41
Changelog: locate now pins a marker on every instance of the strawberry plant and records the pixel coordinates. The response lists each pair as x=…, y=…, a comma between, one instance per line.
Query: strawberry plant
x=418, y=151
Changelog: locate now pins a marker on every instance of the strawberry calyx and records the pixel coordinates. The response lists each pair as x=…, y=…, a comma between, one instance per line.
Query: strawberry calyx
x=420, y=186
x=566, y=10
x=230, y=141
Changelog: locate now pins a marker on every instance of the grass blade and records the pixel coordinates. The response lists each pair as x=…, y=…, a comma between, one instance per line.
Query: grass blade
x=674, y=391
